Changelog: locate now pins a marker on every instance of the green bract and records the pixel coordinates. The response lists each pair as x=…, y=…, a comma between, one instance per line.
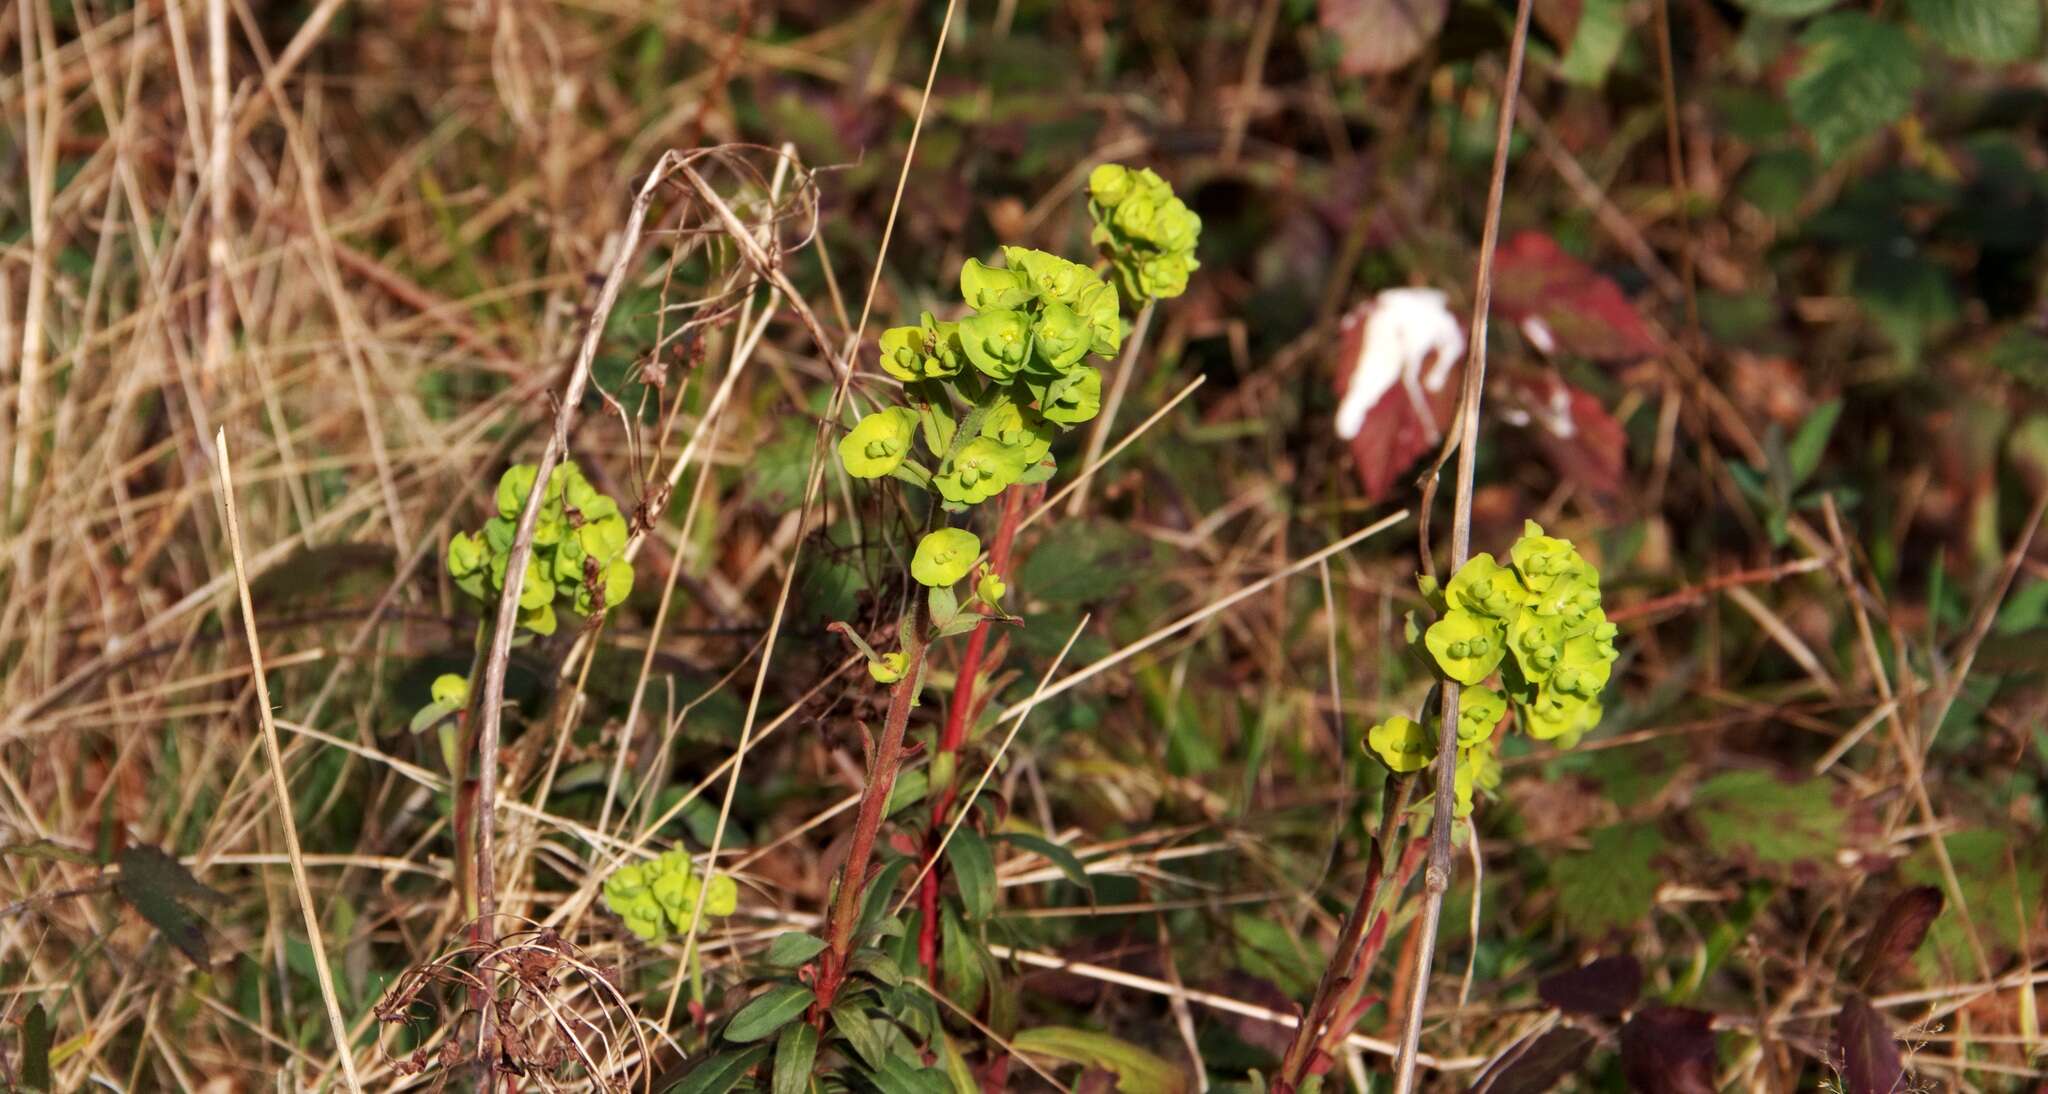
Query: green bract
x=1468, y=647
x=990, y=588
x=451, y=690
x=1052, y=278
x=890, y=668
x=657, y=897
x=1020, y=428
x=879, y=444
x=998, y=342
x=944, y=557
x=979, y=470
x=1146, y=232
x=1059, y=338
x=988, y=288
x=1069, y=399
x=579, y=548
x=1401, y=744
x=1479, y=710
x=929, y=351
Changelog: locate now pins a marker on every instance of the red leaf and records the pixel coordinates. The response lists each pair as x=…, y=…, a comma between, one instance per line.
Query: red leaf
x=1535, y=1066
x=1394, y=434
x=1870, y=1057
x=1378, y=36
x=1900, y=928
x=1605, y=986
x=1578, y=437
x=1669, y=1050
x=1583, y=312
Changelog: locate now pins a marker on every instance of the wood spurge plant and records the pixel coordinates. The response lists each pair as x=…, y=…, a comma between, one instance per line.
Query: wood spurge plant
x=946, y=548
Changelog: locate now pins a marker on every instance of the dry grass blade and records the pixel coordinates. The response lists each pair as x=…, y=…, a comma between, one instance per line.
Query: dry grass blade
x=279, y=782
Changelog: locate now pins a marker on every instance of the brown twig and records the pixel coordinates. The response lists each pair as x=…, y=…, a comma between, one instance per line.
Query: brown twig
x=488, y=712
x=1437, y=878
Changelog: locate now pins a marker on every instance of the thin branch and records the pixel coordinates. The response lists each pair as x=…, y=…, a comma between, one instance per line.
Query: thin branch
x=1437, y=878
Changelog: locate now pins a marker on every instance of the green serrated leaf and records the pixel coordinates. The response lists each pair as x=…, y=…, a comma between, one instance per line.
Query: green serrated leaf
x=793, y=948
x=1859, y=76
x=720, y=1073
x=769, y=1012
x=1990, y=31
x=1611, y=885
x=160, y=889
x=1755, y=814
x=795, y=1051
x=975, y=870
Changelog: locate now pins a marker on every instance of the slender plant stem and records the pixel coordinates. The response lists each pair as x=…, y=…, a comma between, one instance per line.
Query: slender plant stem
x=954, y=735
x=1342, y=978
x=881, y=783
x=1437, y=878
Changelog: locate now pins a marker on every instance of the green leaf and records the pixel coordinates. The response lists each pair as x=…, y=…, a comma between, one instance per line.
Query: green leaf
x=1602, y=27
x=720, y=1073
x=1811, y=442
x=852, y=1022
x=1858, y=77
x=1066, y=861
x=1909, y=296
x=1788, y=9
x=793, y=948
x=1754, y=814
x=1083, y=560
x=35, y=1050
x=2001, y=881
x=768, y=1012
x=902, y=1075
x=795, y=1051
x=962, y=976
x=878, y=966
x=1991, y=31
x=47, y=850
x=160, y=888
x=880, y=891
x=1137, y=1071
x=1611, y=885
x=975, y=869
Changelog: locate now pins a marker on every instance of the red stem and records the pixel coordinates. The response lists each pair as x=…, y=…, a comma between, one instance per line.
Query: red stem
x=959, y=713
x=853, y=877
x=1358, y=946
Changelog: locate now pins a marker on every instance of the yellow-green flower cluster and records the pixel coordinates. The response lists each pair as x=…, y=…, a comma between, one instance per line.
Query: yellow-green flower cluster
x=579, y=548
x=1538, y=622
x=1146, y=232
x=1017, y=362
x=657, y=897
